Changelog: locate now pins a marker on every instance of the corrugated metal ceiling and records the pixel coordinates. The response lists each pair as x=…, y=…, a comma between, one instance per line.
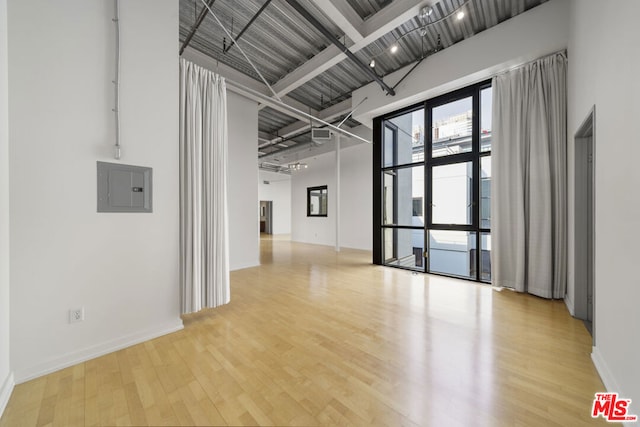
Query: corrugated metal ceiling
x=280, y=41
x=367, y=8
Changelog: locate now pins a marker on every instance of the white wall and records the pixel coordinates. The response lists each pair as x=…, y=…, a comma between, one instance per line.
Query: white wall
x=316, y=230
x=6, y=381
x=244, y=234
x=355, y=199
x=532, y=34
x=279, y=192
x=609, y=80
x=122, y=268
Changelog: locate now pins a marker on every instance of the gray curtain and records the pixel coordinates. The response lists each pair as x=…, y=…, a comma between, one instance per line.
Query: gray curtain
x=529, y=182
x=204, y=243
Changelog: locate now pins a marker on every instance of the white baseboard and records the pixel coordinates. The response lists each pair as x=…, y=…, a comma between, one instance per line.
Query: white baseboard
x=603, y=370
x=92, y=352
x=5, y=392
x=608, y=379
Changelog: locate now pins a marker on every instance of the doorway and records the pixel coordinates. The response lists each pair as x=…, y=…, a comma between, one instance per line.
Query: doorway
x=266, y=216
x=584, y=222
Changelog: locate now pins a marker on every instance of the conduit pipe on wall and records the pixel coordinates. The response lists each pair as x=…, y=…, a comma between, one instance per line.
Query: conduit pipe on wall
x=116, y=81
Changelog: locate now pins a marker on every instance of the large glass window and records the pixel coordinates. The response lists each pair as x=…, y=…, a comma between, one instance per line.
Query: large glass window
x=404, y=139
x=452, y=253
x=452, y=127
x=486, y=104
x=435, y=204
x=404, y=247
x=485, y=192
x=402, y=187
x=402, y=198
x=452, y=197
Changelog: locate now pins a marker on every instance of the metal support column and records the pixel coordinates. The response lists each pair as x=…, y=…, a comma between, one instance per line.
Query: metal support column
x=338, y=140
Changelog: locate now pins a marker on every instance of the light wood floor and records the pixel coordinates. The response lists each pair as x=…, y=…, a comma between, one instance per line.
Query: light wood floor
x=318, y=338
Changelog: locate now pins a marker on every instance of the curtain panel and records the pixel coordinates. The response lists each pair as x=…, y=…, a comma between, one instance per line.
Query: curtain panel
x=529, y=184
x=204, y=243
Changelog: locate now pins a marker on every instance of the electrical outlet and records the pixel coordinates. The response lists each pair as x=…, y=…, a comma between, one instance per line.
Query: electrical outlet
x=76, y=315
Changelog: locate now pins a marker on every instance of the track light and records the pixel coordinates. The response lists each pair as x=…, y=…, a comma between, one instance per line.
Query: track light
x=427, y=17
x=297, y=166
x=372, y=64
x=425, y=12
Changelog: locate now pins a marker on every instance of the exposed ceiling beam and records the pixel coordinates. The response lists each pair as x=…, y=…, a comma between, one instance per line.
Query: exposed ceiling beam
x=364, y=68
x=226, y=71
x=253, y=18
x=259, y=97
x=343, y=15
x=317, y=65
x=250, y=93
x=328, y=114
x=395, y=14
x=387, y=19
x=265, y=137
x=308, y=149
x=194, y=28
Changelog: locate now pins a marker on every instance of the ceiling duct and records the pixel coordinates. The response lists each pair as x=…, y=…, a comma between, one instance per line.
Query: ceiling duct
x=321, y=135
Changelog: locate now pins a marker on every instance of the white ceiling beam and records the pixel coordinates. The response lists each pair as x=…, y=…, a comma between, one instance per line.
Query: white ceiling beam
x=387, y=19
x=302, y=151
x=205, y=61
x=317, y=65
x=264, y=136
x=250, y=93
x=327, y=114
x=343, y=15
x=391, y=17
x=227, y=72
x=291, y=102
x=274, y=105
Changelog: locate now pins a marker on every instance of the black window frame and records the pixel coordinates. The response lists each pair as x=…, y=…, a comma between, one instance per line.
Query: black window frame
x=474, y=156
x=326, y=191
x=378, y=208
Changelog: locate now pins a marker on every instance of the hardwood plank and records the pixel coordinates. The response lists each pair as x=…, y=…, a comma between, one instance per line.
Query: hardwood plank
x=315, y=337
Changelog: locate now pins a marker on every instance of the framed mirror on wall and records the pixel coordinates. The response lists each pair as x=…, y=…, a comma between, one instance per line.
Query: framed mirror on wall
x=317, y=201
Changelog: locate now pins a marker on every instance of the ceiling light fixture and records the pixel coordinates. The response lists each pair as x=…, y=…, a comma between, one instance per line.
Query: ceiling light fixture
x=427, y=17
x=297, y=166
x=425, y=12
x=372, y=64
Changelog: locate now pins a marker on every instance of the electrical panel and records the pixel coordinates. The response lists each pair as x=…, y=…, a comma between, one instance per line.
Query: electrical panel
x=124, y=188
